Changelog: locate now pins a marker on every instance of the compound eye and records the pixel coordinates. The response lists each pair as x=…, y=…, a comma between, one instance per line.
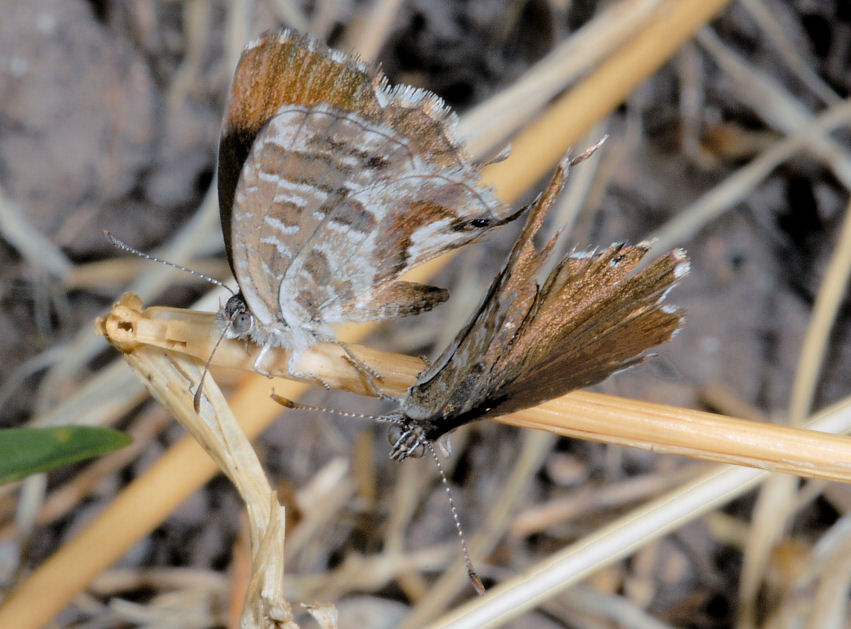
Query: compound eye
x=242, y=323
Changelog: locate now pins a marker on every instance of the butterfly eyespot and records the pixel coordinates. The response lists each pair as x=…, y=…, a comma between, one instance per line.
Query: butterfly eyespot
x=475, y=223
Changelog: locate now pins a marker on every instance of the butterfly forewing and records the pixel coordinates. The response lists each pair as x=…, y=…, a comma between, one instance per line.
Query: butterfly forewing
x=282, y=68
x=296, y=206
x=606, y=329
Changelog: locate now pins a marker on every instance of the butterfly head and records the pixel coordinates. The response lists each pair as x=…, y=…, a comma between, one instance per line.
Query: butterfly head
x=240, y=321
x=412, y=437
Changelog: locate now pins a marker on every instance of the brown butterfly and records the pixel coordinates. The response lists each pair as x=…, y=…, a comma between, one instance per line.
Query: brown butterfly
x=593, y=315
x=332, y=185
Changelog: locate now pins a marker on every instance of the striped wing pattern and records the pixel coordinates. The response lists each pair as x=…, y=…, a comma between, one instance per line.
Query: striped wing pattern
x=346, y=185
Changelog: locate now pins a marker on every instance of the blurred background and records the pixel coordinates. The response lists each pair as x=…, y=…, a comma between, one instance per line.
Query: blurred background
x=109, y=120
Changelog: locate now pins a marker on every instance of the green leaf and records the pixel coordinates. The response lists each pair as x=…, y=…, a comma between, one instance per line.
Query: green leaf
x=25, y=451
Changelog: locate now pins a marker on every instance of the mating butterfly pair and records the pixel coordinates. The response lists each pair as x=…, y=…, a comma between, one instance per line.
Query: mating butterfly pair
x=333, y=184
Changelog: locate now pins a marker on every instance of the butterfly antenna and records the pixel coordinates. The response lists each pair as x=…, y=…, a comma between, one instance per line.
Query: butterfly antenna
x=288, y=403
x=196, y=399
x=119, y=244
x=471, y=570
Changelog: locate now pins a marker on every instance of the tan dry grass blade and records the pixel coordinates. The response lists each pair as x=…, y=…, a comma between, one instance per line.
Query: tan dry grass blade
x=726, y=194
x=673, y=430
x=491, y=123
x=544, y=142
x=766, y=96
x=170, y=378
x=196, y=333
x=778, y=501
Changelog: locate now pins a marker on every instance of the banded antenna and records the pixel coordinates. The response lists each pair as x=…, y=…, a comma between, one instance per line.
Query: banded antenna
x=123, y=246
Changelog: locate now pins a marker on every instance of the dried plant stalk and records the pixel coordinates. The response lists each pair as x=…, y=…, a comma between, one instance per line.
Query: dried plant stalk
x=543, y=143
x=617, y=539
x=171, y=378
x=196, y=334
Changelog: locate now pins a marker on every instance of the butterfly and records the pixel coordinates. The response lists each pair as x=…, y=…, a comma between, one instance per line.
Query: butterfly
x=595, y=313
x=333, y=184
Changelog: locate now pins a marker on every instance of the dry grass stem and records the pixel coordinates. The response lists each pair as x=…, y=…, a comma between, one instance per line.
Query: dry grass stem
x=490, y=124
x=39, y=252
x=504, y=502
x=171, y=381
x=775, y=105
x=777, y=503
x=289, y=12
x=833, y=290
x=773, y=28
x=196, y=333
x=737, y=186
x=115, y=273
x=368, y=34
x=707, y=436
x=544, y=142
x=170, y=378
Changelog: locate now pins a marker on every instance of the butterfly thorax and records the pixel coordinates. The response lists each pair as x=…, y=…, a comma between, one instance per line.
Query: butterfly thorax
x=239, y=319
x=430, y=410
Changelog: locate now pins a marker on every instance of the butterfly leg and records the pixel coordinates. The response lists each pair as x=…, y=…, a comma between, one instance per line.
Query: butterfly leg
x=258, y=362
x=295, y=372
x=358, y=364
x=407, y=441
x=291, y=368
